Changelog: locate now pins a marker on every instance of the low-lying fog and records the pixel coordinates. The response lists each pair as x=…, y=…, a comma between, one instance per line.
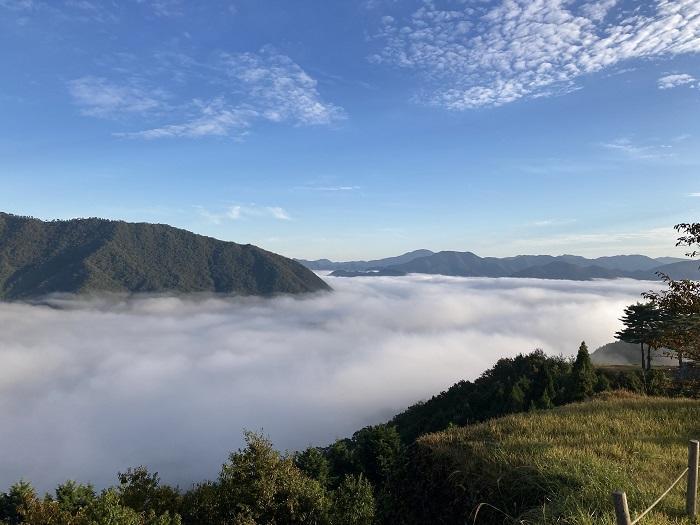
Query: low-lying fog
x=88, y=388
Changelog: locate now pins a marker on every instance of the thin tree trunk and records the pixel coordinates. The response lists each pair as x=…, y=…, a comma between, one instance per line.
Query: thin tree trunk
x=643, y=366
x=648, y=357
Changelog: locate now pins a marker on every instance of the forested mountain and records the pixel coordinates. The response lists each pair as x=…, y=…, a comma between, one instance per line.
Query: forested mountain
x=563, y=270
x=97, y=255
x=468, y=264
x=362, y=266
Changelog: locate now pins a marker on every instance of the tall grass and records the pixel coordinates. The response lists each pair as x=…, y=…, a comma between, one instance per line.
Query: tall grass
x=561, y=465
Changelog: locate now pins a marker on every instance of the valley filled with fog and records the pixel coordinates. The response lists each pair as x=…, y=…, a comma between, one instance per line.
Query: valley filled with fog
x=91, y=387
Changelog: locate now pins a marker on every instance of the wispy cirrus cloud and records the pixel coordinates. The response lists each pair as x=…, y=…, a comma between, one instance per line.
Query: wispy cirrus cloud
x=551, y=222
x=478, y=55
x=675, y=80
x=241, y=212
x=330, y=188
x=280, y=89
x=253, y=87
x=17, y=5
x=639, y=151
x=203, y=119
x=105, y=11
x=100, y=97
x=165, y=8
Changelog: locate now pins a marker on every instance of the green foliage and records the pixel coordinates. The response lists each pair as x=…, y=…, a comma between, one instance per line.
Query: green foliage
x=108, y=510
x=314, y=463
x=353, y=502
x=375, y=451
x=200, y=505
x=142, y=491
x=96, y=255
x=690, y=237
x=105, y=509
x=602, y=382
x=643, y=325
x=512, y=385
x=583, y=377
x=340, y=458
x=12, y=502
x=259, y=485
x=678, y=309
x=72, y=496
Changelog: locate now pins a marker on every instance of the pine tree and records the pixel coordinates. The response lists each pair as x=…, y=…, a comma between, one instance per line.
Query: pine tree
x=583, y=377
x=643, y=323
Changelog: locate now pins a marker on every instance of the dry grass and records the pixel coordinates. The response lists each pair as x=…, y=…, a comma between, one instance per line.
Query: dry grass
x=571, y=458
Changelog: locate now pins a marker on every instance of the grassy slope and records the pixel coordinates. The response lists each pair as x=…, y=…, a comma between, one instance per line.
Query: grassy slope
x=557, y=466
x=88, y=255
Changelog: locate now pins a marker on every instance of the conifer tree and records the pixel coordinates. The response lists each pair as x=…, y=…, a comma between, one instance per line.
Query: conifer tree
x=642, y=326
x=583, y=377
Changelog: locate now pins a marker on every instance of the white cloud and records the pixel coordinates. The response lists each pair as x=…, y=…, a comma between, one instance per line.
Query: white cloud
x=89, y=388
x=597, y=10
x=255, y=87
x=475, y=56
x=551, y=222
x=640, y=151
x=165, y=8
x=245, y=212
x=330, y=188
x=278, y=213
x=671, y=81
x=98, y=97
x=215, y=118
x=694, y=194
x=17, y=5
x=280, y=89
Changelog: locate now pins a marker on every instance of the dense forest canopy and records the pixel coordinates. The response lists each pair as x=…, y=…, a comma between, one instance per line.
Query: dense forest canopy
x=97, y=255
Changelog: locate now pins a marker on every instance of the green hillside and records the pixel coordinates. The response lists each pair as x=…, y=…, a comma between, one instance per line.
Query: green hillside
x=97, y=255
x=553, y=466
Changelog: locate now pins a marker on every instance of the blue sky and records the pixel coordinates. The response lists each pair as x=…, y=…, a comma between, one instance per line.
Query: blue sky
x=362, y=128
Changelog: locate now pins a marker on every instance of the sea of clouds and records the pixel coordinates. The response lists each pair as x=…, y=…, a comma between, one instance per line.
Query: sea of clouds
x=91, y=387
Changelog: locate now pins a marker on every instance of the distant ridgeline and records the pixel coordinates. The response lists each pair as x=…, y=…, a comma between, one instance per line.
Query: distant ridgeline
x=97, y=255
x=467, y=264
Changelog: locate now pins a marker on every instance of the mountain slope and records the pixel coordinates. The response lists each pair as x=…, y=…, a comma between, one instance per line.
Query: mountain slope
x=620, y=353
x=464, y=264
x=97, y=255
x=627, y=263
x=680, y=270
x=572, y=272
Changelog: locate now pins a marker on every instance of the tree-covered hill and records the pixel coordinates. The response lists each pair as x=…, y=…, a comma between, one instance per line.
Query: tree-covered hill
x=620, y=353
x=97, y=255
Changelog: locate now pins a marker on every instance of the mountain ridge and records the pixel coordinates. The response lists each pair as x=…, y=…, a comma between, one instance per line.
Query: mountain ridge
x=569, y=267
x=99, y=255
x=363, y=266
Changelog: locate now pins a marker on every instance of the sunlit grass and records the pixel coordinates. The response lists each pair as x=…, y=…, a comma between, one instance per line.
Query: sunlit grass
x=561, y=465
